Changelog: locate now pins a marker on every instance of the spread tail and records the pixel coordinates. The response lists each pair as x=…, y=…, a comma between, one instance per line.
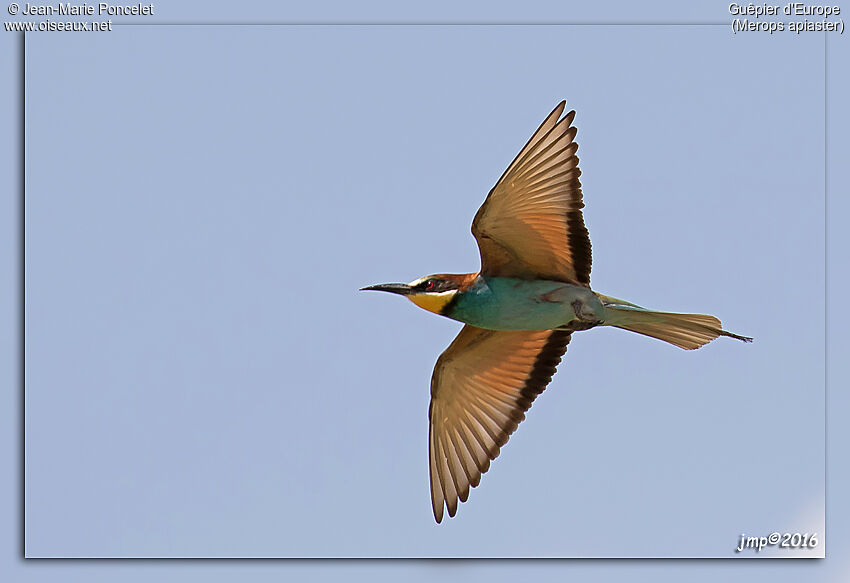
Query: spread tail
x=688, y=331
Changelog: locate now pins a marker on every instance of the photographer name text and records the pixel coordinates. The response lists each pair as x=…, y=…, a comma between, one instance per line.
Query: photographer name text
x=99, y=9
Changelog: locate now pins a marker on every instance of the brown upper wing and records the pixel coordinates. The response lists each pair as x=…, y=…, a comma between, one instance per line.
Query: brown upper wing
x=481, y=387
x=530, y=225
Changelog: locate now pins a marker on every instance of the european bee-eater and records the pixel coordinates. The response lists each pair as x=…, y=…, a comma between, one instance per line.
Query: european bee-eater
x=520, y=310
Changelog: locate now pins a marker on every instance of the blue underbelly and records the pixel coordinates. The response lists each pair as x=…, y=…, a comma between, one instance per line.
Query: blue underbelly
x=499, y=303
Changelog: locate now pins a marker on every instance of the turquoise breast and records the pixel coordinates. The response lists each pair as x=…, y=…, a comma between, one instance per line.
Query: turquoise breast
x=501, y=303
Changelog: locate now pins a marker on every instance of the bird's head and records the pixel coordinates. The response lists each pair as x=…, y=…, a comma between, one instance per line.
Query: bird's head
x=432, y=292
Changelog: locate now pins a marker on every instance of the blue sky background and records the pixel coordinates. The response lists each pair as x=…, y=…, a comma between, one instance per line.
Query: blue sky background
x=203, y=203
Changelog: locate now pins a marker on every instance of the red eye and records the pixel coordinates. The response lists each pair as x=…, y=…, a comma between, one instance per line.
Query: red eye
x=430, y=285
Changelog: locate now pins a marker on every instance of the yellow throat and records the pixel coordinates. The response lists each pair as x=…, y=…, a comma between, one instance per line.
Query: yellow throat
x=433, y=302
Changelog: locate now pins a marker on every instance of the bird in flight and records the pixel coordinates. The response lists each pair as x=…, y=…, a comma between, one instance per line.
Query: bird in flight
x=520, y=310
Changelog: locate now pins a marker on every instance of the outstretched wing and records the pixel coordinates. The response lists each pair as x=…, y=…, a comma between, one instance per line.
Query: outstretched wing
x=481, y=388
x=530, y=225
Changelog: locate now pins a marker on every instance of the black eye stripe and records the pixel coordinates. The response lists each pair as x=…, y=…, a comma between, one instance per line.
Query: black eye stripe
x=435, y=285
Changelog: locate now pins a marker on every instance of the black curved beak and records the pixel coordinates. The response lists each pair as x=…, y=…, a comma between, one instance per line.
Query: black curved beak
x=401, y=289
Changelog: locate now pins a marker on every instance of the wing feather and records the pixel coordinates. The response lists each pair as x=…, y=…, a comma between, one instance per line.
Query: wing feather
x=531, y=224
x=481, y=388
